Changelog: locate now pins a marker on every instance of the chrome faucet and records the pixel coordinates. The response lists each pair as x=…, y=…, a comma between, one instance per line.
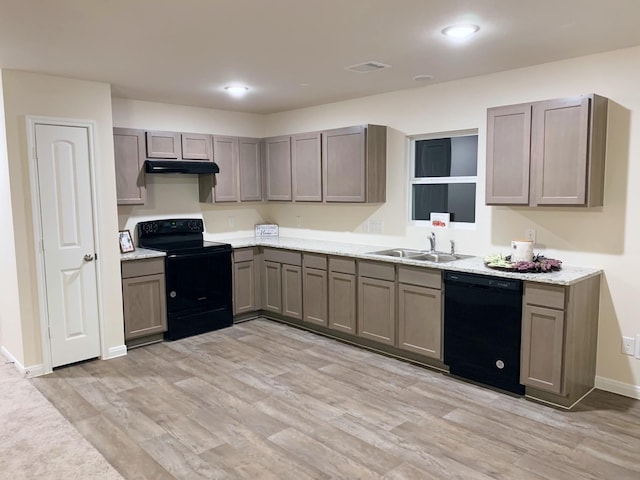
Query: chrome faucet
x=432, y=241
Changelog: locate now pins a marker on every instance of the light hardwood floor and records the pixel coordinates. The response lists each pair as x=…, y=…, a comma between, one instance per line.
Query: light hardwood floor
x=262, y=400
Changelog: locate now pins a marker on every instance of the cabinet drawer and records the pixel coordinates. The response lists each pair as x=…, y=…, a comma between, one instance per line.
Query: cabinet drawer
x=544, y=295
x=243, y=254
x=382, y=271
x=420, y=276
x=311, y=260
x=342, y=265
x=282, y=256
x=139, y=268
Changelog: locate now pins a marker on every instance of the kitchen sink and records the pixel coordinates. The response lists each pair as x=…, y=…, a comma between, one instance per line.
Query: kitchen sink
x=399, y=253
x=421, y=255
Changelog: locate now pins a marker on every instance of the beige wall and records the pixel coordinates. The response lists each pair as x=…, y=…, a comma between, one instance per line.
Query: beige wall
x=176, y=195
x=43, y=95
x=602, y=237
x=10, y=325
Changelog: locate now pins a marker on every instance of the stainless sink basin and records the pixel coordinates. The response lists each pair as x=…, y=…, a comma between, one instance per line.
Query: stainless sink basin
x=399, y=253
x=436, y=257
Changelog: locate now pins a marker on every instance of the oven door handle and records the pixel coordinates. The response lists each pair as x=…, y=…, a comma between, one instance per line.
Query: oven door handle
x=193, y=255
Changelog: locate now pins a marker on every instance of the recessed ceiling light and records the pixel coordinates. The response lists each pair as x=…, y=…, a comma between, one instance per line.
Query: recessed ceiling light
x=460, y=31
x=423, y=78
x=236, y=90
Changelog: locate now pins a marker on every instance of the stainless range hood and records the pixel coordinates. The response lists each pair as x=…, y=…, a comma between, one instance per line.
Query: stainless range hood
x=180, y=166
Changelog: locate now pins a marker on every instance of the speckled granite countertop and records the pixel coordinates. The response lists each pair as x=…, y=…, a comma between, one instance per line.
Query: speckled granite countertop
x=141, y=253
x=568, y=275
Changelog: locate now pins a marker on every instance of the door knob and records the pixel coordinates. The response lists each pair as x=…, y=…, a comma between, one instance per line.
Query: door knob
x=88, y=257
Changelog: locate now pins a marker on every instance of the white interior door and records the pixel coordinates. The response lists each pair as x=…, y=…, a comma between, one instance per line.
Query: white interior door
x=64, y=180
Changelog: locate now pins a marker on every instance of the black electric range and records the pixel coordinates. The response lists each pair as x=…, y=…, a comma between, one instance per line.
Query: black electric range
x=198, y=276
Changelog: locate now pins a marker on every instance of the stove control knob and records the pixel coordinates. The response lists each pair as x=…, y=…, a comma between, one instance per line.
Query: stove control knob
x=173, y=294
x=500, y=364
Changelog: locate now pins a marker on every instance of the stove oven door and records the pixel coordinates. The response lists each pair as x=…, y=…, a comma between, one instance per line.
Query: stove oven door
x=198, y=282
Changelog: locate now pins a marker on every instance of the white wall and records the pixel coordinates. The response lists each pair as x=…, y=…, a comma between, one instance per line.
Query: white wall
x=43, y=95
x=177, y=195
x=10, y=324
x=605, y=237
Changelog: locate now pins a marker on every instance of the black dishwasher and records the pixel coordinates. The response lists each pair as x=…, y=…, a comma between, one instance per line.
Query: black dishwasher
x=482, y=325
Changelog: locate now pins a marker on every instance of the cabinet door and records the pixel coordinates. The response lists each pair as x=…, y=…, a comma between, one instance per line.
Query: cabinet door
x=196, y=146
x=376, y=310
x=420, y=320
x=272, y=288
x=129, y=153
x=342, y=302
x=144, y=306
x=541, y=360
x=278, y=168
x=343, y=164
x=560, y=132
x=244, y=287
x=307, y=167
x=164, y=145
x=249, y=173
x=315, y=296
x=225, y=153
x=292, y=291
x=508, y=155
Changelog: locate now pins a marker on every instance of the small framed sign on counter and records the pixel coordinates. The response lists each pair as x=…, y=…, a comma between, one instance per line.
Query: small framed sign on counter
x=267, y=230
x=126, y=242
x=440, y=220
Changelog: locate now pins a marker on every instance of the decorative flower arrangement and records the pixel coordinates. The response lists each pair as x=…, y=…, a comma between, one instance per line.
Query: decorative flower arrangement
x=539, y=263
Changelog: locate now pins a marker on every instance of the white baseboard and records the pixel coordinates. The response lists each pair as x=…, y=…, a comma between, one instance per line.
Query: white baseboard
x=614, y=386
x=30, y=371
x=115, y=352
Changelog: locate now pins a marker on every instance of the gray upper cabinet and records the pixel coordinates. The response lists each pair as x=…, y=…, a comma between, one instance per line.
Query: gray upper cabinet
x=277, y=167
x=547, y=153
x=225, y=153
x=354, y=164
x=239, y=178
x=164, y=145
x=306, y=162
x=249, y=170
x=129, y=159
x=178, y=146
x=196, y=146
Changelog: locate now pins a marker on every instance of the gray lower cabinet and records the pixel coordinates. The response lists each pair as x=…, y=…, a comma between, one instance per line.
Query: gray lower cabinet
x=377, y=302
x=420, y=311
x=282, y=287
x=143, y=292
x=547, y=153
x=129, y=154
x=315, y=297
x=246, y=280
x=354, y=164
x=342, y=295
x=559, y=337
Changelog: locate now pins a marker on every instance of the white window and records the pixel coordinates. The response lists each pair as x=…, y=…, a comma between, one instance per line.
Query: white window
x=443, y=175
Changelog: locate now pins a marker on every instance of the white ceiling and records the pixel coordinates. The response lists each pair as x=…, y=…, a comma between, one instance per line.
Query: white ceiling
x=185, y=51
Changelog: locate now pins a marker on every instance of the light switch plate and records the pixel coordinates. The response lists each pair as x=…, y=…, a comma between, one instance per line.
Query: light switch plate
x=530, y=234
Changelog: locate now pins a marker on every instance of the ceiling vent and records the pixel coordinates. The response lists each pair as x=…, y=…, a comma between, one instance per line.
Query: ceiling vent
x=367, y=67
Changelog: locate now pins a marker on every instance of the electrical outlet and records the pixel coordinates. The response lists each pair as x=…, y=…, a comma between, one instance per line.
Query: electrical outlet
x=375, y=226
x=530, y=234
x=628, y=345
x=231, y=221
x=298, y=221
x=637, y=355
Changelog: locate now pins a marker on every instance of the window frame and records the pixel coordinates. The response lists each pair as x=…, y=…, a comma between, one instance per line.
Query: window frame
x=412, y=180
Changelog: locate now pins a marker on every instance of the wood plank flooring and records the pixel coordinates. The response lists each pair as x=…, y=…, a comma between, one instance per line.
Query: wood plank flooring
x=262, y=400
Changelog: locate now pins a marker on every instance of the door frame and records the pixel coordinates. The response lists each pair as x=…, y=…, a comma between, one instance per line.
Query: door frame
x=36, y=217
